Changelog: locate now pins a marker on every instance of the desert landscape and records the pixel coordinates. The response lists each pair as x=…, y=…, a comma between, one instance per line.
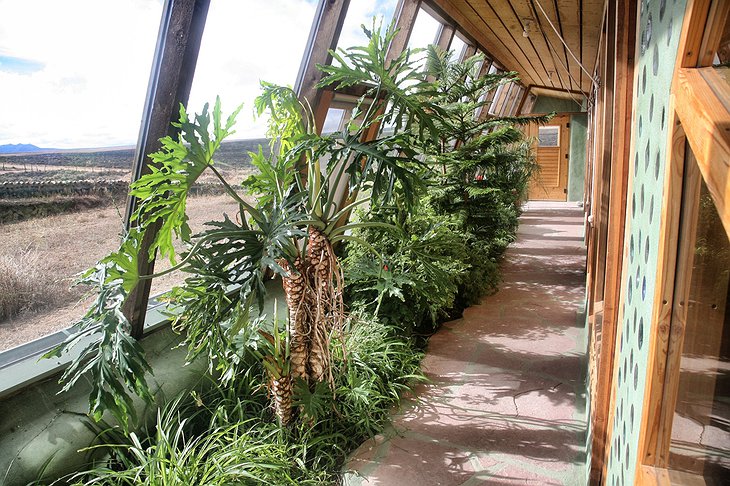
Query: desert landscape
x=61, y=212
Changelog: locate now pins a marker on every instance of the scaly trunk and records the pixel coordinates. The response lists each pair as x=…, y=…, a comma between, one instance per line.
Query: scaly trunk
x=281, y=389
x=297, y=300
x=321, y=267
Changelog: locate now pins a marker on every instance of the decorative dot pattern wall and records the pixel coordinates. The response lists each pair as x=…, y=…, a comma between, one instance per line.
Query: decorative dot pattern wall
x=659, y=29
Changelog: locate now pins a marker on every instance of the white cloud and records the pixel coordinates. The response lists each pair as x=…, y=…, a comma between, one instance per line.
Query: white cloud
x=97, y=55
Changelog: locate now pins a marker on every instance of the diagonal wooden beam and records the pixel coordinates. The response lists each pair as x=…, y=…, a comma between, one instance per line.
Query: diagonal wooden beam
x=173, y=68
x=323, y=37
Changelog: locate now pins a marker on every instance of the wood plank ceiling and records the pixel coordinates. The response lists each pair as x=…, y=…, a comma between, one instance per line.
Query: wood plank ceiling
x=541, y=59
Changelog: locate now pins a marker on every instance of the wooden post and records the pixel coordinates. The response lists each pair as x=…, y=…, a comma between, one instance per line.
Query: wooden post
x=323, y=38
x=625, y=32
x=523, y=99
x=173, y=68
x=446, y=36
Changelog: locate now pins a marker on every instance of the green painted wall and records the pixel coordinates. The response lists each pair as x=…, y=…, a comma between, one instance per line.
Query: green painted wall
x=39, y=424
x=577, y=160
x=547, y=104
x=660, y=23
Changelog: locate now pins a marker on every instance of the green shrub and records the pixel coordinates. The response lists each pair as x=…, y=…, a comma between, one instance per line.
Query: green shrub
x=228, y=435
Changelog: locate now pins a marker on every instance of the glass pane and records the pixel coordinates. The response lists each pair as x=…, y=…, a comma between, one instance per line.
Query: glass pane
x=722, y=55
x=425, y=30
x=457, y=47
x=548, y=136
x=228, y=66
x=362, y=13
x=498, y=95
x=333, y=120
x=700, y=443
x=73, y=77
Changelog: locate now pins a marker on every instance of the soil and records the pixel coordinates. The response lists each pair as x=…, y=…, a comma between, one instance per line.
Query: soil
x=70, y=243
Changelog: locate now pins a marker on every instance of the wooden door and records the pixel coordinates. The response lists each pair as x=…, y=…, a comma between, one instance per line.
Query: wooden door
x=550, y=182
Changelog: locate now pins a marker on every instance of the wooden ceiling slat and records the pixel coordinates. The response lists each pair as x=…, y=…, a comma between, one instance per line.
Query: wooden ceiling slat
x=509, y=30
x=521, y=9
x=498, y=25
x=555, y=47
x=497, y=47
x=570, y=21
x=592, y=24
x=522, y=19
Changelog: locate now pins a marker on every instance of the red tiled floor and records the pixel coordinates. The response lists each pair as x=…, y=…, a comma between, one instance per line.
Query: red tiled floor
x=506, y=404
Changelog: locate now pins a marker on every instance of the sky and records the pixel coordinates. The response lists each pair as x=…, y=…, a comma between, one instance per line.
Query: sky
x=74, y=73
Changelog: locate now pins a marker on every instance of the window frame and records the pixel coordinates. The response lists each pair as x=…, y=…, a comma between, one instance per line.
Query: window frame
x=700, y=112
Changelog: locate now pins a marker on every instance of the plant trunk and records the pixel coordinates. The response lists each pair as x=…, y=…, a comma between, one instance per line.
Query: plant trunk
x=281, y=389
x=297, y=300
x=314, y=298
x=319, y=255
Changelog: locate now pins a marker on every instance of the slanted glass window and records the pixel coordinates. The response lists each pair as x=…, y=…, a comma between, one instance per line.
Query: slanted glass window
x=334, y=120
x=73, y=79
x=700, y=440
x=425, y=30
x=361, y=14
x=457, y=48
x=231, y=64
x=548, y=136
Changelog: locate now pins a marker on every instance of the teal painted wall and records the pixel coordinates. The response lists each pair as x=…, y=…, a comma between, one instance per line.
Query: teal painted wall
x=660, y=22
x=577, y=160
x=547, y=104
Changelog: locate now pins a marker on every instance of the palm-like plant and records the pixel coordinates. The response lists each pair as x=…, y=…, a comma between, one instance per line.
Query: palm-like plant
x=290, y=231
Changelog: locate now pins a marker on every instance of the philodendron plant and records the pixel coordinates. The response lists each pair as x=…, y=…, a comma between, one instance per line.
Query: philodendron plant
x=288, y=232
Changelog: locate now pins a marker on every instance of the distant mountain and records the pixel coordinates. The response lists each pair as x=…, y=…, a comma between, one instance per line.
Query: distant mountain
x=19, y=148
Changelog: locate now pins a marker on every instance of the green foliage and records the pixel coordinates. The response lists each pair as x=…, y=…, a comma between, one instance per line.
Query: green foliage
x=224, y=434
x=429, y=262
x=174, y=169
x=443, y=190
x=113, y=360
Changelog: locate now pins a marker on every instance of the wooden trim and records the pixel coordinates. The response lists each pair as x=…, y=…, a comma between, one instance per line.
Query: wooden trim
x=446, y=35
x=323, y=37
x=173, y=68
x=523, y=99
x=663, y=297
x=705, y=126
x=626, y=17
x=562, y=90
x=652, y=476
x=703, y=105
x=678, y=316
x=406, y=13
x=718, y=12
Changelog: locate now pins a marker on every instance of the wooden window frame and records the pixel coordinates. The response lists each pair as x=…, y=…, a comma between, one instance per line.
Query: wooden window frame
x=700, y=108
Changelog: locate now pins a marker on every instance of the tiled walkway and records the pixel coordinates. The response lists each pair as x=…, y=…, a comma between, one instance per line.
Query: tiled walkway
x=506, y=404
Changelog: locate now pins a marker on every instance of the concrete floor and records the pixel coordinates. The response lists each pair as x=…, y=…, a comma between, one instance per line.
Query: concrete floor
x=506, y=402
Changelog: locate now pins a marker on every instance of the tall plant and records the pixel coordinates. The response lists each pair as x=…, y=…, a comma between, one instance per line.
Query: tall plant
x=290, y=232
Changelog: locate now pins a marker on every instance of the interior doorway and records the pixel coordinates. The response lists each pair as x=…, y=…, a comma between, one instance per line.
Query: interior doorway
x=552, y=142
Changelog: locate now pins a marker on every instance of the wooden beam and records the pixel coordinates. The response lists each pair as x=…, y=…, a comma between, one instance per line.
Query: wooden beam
x=173, y=68
x=323, y=37
x=562, y=90
x=469, y=27
x=706, y=122
x=625, y=30
x=405, y=14
x=446, y=36
x=652, y=432
x=523, y=99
